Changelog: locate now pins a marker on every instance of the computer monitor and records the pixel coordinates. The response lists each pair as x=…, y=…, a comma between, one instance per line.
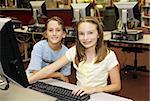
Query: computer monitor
x=39, y=10
x=80, y=10
x=23, y=3
x=11, y=66
x=125, y=11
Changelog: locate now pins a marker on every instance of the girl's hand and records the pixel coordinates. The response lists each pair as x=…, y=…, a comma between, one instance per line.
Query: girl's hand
x=82, y=90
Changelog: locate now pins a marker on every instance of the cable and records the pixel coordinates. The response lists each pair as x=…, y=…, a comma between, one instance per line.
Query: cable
x=125, y=28
x=119, y=25
x=7, y=84
x=22, y=39
x=33, y=37
x=98, y=15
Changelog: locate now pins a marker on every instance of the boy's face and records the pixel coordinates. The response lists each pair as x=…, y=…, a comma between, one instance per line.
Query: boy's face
x=54, y=32
x=88, y=34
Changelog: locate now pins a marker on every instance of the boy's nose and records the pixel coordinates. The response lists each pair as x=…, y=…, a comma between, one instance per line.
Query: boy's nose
x=54, y=32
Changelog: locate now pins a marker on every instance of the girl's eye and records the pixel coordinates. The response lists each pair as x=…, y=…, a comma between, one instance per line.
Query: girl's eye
x=50, y=30
x=81, y=33
x=58, y=30
x=90, y=32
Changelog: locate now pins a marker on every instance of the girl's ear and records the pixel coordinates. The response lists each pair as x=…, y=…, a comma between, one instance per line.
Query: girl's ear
x=45, y=36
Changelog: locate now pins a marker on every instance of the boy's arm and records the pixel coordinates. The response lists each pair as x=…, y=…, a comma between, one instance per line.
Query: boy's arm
x=55, y=75
x=44, y=72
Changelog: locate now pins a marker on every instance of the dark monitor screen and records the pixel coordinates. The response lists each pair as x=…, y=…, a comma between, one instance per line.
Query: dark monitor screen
x=10, y=57
x=80, y=10
x=44, y=10
x=38, y=9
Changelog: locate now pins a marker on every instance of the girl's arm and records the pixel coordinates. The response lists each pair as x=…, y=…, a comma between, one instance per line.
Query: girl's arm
x=115, y=82
x=114, y=86
x=43, y=73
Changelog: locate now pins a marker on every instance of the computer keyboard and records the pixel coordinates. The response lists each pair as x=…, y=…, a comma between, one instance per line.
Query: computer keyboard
x=63, y=94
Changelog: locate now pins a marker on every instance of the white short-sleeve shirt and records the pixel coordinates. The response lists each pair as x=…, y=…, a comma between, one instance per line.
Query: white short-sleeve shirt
x=90, y=74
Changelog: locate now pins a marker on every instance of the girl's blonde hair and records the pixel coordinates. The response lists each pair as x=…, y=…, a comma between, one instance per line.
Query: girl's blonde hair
x=101, y=49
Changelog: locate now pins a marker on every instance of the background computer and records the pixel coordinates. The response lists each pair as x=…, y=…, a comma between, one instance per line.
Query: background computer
x=11, y=66
x=123, y=33
x=23, y=4
x=39, y=9
x=125, y=12
x=80, y=10
x=38, y=12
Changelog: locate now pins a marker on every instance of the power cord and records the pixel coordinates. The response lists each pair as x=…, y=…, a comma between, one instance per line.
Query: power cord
x=3, y=83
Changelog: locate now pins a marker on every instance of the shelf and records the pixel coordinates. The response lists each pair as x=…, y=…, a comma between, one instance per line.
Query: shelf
x=145, y=16
x=148, y=6
x=147, y=27
x=148, y=17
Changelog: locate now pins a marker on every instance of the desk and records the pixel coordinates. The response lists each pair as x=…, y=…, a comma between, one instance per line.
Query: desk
x=107, y=37
x=94, y=97
x=130, y=46
x=15, y=93
x=144, y=41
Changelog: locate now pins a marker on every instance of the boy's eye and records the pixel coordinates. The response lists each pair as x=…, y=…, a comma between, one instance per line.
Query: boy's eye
x=55, y=30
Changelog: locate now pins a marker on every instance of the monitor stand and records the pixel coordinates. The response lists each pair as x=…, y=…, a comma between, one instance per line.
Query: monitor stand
x=36, y=27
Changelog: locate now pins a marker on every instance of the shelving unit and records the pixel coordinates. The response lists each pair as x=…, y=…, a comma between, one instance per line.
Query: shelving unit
x=145, y=18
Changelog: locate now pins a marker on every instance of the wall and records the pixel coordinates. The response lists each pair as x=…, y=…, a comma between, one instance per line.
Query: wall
x=25, y=15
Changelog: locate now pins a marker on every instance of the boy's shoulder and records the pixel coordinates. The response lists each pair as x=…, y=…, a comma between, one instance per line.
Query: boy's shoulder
x=64, y=47
x=41, y=42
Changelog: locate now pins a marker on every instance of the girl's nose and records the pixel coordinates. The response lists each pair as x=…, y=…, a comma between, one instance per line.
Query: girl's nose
x=85, y=36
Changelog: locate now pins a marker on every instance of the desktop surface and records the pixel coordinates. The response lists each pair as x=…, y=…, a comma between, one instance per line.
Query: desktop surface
x=107, y=36
x=63, y=94
x=145, y=40
x=93, y=97
x=130, y=35
x=16, y=93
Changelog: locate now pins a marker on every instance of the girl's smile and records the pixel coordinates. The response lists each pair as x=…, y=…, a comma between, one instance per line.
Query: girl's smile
x=88, y=34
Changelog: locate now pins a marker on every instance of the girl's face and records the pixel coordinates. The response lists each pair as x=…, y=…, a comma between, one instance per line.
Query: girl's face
x=88, y=34
x=54, y=32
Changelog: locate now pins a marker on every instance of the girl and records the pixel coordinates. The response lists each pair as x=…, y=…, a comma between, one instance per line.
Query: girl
x=47, y=51
x=93, y=62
